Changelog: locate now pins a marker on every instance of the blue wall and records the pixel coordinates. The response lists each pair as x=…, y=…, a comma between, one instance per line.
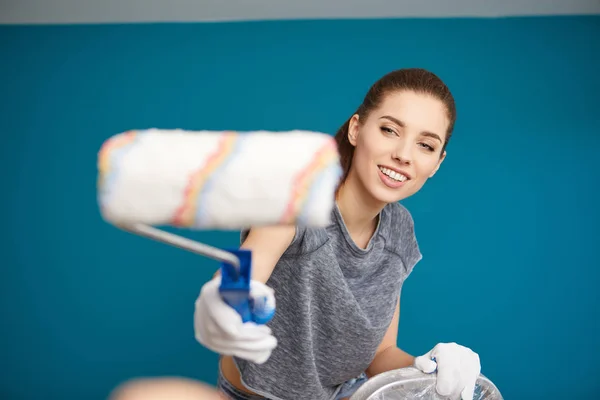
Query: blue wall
x=507, y=228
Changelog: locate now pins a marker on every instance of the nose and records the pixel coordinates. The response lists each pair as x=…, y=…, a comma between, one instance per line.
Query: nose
x=402, y=153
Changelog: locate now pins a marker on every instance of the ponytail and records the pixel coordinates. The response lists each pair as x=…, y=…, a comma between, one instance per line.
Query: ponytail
x=345, y=149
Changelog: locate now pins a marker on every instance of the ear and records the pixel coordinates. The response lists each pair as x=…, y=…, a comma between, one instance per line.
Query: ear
x=442, y=158
x=353, y=130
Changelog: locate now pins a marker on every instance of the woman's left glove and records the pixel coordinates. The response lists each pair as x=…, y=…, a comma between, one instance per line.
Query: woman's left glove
x=458, y=368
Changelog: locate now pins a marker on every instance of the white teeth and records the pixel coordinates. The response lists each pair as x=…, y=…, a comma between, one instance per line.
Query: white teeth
x=393, y=174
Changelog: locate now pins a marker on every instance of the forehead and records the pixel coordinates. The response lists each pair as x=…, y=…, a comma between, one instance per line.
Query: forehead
x=417, y=111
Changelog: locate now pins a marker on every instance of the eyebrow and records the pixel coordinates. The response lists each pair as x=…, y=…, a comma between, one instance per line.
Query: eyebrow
x=402, y=124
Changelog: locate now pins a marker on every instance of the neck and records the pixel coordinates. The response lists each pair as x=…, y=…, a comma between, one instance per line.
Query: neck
x=358, y=209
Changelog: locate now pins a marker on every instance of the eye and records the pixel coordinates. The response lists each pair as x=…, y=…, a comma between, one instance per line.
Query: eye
x=388, y=131
x=427, y=147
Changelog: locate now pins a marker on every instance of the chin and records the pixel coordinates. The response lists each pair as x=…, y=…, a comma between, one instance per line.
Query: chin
x=385, y=195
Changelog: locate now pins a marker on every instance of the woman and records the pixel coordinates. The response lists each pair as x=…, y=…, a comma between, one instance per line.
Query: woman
x=338, y=288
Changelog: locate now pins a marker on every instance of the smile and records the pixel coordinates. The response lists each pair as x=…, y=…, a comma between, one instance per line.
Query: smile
x=398, y=177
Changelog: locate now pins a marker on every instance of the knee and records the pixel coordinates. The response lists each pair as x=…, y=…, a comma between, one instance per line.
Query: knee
x=164, y=389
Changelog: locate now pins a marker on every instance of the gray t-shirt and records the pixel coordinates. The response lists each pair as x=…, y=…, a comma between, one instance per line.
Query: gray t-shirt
x=334, y=303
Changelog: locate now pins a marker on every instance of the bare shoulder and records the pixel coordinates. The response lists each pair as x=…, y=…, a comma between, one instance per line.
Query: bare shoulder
x=276, y=238
x=267, y=244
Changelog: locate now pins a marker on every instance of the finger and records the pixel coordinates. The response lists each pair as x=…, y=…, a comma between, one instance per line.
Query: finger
x=223, y=315
x=211, y=285
x=263, y=299
x=251, y=336
x=260, y=289
x=226, y=316
x=230, y=321
x=206, y=326
x=425, y=363
x=253, y=332
x=255, y=357
x=267, y=344
x=248, y=331
x=468, y=391
x=448, y=376
x=260, y=358
x=470, y=376
x=258, y=354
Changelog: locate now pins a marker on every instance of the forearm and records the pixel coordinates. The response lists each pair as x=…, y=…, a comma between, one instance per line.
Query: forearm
x=390, y=359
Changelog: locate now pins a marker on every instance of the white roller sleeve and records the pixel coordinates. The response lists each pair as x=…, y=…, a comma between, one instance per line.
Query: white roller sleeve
x=218, y=180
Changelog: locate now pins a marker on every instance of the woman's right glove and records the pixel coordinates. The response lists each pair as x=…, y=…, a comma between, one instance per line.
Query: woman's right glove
x=218, y=327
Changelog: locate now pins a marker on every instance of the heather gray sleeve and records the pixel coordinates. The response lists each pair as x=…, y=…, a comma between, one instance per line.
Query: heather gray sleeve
x=401, y=238
x=409, y=246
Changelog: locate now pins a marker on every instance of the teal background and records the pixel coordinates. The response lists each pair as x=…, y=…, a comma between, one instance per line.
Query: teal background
x=508, y=227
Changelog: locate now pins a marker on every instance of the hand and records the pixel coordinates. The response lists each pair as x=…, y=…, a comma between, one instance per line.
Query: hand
x=219, y=327
x=457, y=369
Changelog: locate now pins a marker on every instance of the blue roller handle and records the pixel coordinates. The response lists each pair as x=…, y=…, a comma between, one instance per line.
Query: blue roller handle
x=235, y=290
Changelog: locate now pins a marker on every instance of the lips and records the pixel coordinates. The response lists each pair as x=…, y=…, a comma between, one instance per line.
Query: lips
x=391, y=178
x=394, y=173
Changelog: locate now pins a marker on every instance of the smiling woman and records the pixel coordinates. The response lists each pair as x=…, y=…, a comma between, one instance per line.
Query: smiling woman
x=338, y=287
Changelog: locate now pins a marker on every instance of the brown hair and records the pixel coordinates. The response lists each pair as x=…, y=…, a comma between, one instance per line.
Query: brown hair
x=413, y=79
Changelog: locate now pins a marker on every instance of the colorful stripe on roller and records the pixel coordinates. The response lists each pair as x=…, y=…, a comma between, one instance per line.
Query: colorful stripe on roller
x=108, y=157
x=191, y=211
x=218, y=180
x=304, y=185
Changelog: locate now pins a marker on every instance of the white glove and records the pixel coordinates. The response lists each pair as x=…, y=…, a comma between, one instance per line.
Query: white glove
x=219, y=327
x=457, y=369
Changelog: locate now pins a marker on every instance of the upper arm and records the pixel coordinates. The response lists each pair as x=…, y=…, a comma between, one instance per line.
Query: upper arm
x=408, y=248
x=390, y=339
x=267, y=245
x=388, y=355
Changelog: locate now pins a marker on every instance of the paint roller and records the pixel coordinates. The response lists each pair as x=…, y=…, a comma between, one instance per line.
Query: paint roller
x=218, y=180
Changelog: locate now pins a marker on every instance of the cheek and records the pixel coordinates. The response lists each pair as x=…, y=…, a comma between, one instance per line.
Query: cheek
x=426, y=167
x=361, y=163
x=363, y=152
x=370, y=147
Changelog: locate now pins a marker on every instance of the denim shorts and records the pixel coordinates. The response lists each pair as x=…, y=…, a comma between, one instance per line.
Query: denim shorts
x=230, y=392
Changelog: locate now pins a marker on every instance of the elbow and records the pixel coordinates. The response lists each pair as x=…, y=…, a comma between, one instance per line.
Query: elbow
x=378, y=361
